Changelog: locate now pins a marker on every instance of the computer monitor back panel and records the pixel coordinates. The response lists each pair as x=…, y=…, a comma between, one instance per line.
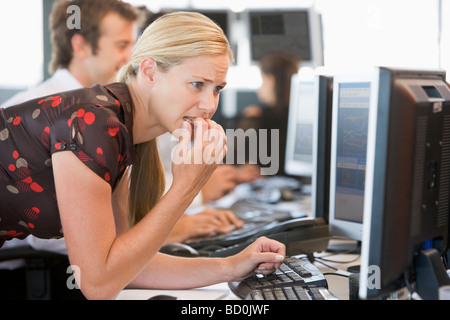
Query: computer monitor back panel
x=320, y=180
x=351, y=101
x=407, y=177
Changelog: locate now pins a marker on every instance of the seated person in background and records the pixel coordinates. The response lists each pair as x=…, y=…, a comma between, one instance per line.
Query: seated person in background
x=114, y=221
x=276, y=69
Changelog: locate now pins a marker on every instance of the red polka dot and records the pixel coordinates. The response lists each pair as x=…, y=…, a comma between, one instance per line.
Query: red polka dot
x=16, y=121
x=28, y=180
x=99, y=150
x=69, y=122
x=56, y=101
x=107, y=176
x=113, y=131
x=47, y=129
x=89, y=118
x=118, y=102
x=80, y=113
x=15, y=155
x=30, y=225
x=36, y=188
x=12, y=167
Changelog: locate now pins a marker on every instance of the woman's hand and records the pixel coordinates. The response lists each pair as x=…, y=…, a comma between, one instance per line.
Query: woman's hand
x=262, y=256
x=193, y=163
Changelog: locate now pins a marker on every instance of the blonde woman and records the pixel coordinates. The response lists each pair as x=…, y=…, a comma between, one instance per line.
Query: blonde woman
x=65, y=160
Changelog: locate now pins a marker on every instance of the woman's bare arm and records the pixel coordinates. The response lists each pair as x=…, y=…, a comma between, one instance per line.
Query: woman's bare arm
x=107, y=262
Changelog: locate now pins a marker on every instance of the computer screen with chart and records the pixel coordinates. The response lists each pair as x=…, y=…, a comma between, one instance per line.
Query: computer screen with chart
x=350, y=118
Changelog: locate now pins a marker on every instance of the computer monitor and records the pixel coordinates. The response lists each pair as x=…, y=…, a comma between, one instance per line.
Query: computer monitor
x=219, y=16
x=302, y=114
x=297, y=31
x=320, y=180
x=351, y=100
x=406, y=205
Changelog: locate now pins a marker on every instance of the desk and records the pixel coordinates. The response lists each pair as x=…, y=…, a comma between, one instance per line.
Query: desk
x=337, y=279
x=215, y=292
x=337, y=282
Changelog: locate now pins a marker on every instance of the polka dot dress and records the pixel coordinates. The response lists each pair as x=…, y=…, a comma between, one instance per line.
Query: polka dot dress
x=93, y=123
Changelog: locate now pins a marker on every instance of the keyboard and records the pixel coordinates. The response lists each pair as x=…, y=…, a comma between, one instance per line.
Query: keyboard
x=293, y=272
x=253, y=211
x=257, y=217
x=292, y=293
x=221, y=240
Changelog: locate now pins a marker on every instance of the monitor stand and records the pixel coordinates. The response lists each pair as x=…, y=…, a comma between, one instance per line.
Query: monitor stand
x=344, y=246
x=430, y=274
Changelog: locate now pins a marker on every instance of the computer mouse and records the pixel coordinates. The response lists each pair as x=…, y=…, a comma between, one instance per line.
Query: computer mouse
x=179, y=249
x=162, y=297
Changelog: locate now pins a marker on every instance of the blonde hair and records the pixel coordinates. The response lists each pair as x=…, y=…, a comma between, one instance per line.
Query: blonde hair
x=168, y=41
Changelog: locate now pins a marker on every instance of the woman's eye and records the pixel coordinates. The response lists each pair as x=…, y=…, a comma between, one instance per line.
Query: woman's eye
x=218, y=88
x=197, y=84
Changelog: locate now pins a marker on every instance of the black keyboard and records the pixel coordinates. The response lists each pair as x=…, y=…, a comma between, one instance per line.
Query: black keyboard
x=254, y=211
x=293, y=272
x=222, y=240
x=292, y=293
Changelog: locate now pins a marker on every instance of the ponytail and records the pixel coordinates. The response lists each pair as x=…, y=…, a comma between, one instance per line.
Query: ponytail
x=147, y=177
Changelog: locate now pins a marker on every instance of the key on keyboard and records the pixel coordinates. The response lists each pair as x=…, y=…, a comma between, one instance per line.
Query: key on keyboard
x=292, y=272
x=292, y=293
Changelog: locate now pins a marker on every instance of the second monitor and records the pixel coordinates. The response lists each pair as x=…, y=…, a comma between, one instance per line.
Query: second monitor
x=351, y=100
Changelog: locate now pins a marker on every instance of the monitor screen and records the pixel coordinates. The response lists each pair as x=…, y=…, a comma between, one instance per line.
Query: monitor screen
x=351, y=100
x=297, y=31
x=406, y=209
x=299, y=141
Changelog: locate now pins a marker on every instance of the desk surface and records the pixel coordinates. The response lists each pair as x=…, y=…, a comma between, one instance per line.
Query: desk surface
x=327, y=263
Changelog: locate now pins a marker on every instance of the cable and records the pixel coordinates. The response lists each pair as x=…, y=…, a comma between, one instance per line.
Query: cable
x=335, y=274
x=327, y=265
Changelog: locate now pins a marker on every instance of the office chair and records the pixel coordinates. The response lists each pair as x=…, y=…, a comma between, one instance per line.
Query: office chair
x=45, y=274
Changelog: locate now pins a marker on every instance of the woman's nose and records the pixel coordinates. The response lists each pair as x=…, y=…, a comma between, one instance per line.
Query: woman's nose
x=208, y=103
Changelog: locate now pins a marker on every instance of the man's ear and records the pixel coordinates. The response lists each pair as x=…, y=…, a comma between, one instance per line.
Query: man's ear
x=147, y=69
x=81, y=48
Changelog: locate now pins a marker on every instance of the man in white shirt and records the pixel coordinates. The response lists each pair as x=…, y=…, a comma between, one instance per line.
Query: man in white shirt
x=80, y=58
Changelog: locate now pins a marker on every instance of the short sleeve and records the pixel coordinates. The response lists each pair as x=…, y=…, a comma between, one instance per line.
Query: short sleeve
x=96, y=136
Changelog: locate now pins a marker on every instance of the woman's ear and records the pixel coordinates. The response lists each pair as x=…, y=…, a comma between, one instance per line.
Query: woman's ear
x=147, y=69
